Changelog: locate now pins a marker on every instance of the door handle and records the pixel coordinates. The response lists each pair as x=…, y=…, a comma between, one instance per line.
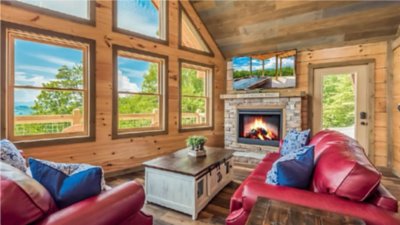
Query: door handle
x=364, y=123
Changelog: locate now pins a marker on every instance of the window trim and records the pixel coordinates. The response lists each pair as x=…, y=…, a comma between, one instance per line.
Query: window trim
x=91, y=101
x=163, y=93
x=181, y=10
x=53, y=13
x=209, y=126
x=117, y=29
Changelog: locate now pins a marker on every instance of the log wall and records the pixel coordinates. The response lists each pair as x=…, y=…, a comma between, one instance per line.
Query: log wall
x=121, y=154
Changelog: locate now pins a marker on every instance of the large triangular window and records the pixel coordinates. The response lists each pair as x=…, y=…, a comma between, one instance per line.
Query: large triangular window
x=190, y=38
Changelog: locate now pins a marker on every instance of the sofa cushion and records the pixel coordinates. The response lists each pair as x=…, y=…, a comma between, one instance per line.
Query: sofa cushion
x=23, y=199
x=294, y=169
x=11, y=155
x=67, y=189
x=294, y=140
x=344, y=170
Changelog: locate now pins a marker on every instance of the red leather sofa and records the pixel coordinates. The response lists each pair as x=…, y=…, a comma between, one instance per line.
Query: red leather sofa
x=24, y=201
x=344, y=181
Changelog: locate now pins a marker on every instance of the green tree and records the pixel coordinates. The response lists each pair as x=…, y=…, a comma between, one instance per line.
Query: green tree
x=338, y=101
x=61, y=102
x=192, y=85
x=142, y=103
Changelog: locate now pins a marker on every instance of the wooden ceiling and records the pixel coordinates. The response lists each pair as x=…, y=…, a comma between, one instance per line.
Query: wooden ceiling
x=243, y=27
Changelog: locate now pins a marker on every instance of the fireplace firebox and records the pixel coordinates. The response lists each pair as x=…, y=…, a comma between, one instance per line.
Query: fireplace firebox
x=260, y=126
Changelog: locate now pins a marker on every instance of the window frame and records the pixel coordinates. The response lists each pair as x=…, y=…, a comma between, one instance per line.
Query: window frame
x=117, y=29
x=180, y=46
x=210, y=107
x=162, y=89
x=53, y=13
x=7, y=101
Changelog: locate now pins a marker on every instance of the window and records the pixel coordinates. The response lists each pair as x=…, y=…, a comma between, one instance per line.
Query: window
x=139, y=93
x=190, y=38
x=79, y=10
x=49, y=92
x=195, y=96
x=146, y=18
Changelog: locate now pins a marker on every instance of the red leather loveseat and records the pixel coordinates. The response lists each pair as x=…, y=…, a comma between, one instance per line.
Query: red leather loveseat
x=24, y=201
x=344, y=181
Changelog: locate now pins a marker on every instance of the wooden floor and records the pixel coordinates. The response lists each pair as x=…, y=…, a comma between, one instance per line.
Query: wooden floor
x=218, y=209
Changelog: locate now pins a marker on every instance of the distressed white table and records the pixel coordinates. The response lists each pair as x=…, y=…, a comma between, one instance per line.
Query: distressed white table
x=185, y=183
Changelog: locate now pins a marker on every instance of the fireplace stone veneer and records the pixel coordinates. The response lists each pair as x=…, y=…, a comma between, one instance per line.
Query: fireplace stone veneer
x=291, y=116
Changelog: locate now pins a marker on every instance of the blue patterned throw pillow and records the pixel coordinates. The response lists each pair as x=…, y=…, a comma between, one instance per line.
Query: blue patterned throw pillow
x=294, y=169
x=67, y=183
x=11, y=155
x=295, y=140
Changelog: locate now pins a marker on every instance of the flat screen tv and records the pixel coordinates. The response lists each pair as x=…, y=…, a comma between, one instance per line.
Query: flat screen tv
x=265, y=71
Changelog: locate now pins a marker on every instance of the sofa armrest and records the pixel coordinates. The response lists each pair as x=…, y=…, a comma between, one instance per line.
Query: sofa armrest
x=110, y=207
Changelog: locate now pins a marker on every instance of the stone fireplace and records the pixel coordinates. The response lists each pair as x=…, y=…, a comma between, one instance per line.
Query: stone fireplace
x=255, y=122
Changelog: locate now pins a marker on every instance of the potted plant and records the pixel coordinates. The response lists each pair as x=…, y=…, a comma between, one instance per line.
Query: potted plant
x=197, y=145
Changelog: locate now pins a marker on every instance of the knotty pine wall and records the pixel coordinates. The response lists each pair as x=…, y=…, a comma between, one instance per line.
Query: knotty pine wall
x=121, y=154
x=395, y=103
x=378, y=52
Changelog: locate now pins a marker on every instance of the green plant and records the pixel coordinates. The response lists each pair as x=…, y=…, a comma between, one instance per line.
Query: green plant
x=196, y=142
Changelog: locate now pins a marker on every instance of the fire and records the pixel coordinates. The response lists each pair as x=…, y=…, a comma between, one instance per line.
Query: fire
x=259, y=129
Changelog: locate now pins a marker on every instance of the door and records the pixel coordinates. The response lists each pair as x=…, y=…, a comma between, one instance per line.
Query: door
x=342, y=101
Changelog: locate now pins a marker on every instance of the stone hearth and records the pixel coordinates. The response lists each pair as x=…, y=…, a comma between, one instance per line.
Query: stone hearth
x=290, y=105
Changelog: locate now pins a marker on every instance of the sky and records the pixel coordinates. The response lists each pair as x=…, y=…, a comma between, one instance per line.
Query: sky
x=138, y=16
x=78, y=8
x=38, y=63
x=243, y=63
x=131, y=74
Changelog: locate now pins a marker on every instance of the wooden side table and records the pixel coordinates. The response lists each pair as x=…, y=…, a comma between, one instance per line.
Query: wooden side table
x=269, y=212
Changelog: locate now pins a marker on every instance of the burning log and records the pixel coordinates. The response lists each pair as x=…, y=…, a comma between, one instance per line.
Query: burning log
x=261, y=133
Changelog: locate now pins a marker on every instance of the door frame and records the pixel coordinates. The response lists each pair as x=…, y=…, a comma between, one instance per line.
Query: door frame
x=371, y=64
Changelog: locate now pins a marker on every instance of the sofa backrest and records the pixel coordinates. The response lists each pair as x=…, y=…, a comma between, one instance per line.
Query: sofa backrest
x=342, y=168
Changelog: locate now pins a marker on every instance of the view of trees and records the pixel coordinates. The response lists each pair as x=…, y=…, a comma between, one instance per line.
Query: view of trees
x=286, y=71
x=56, y=102
x=192, y=86
x=338, y=101
x=61, y=102
x=64, y=102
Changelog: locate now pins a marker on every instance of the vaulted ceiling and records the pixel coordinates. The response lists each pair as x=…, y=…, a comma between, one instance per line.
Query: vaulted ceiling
x=243, y=27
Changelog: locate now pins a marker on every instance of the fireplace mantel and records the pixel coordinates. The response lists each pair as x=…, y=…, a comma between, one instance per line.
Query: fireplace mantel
x=248, y=95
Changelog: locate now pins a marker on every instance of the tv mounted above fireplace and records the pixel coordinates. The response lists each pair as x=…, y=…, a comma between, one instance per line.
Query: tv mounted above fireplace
x=260, y=126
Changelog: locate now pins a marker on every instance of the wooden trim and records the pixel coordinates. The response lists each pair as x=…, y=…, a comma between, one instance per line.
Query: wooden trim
x=115, y=27
x=396, y=43
x=91, y=104
x=210, y=107
x=92, y=11
x=163, y=87
x=180, y=46
x=389, y=105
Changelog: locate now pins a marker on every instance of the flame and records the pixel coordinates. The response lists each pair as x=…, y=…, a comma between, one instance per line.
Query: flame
x=259, y=129
x=259, y=123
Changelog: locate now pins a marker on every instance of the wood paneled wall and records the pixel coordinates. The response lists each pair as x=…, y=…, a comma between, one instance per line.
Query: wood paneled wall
x=395, y=111
x=121, y=154
x=376, y=51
